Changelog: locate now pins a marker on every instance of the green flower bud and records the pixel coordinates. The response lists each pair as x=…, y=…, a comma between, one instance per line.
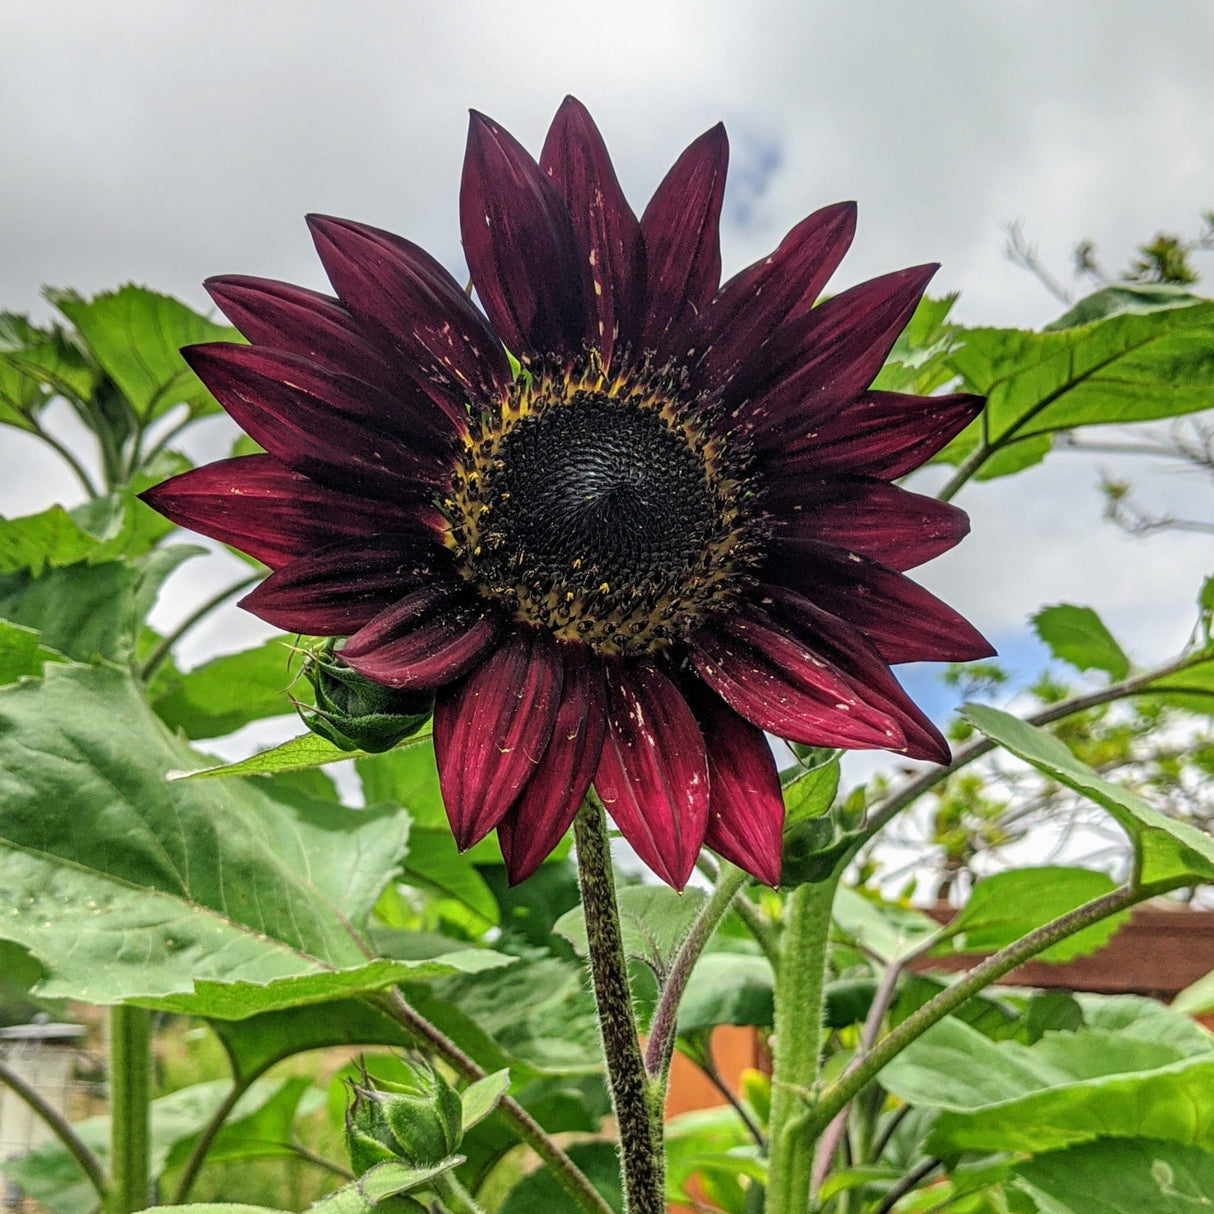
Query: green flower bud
x=419, y=1121
x=355, y=713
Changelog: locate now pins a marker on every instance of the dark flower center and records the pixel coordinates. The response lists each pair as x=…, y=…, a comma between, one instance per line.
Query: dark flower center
x=601, y=511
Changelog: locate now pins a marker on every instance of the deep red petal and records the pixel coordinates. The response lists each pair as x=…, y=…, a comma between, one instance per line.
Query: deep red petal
x=608, y=234
x=879, y=520
x=550, y=801
x=315, y=326
x=681, y=231
x=263, y=508
x=746, y=311
x=880, y=434
x=746, y=807
x=338, y=589
x=342, y=432
x=819, y=361
x=429, y=637
x=780, y=684
x=862, y=665
x=491, y=731
x=401, y=291
x=905, y=622
x=653, y=773
x=520, y=245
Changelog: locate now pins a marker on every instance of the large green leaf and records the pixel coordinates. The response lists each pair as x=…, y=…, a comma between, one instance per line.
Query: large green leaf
x=727, y=988
x=1008, y=905
x=228, y=692
x=126, y=886
x=1077, y=635
x=1119, y=1176
x=36, y=364
x=1165, y=850
x=85, y=611
x=1126, y=367
x=21, y=654
x=1066, y=1088
x=136, y=336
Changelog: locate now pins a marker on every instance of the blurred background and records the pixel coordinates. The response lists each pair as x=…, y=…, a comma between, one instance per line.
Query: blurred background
x=161, y=143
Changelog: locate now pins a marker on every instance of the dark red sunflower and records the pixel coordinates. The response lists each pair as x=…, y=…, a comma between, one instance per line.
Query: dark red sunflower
x=668, y=527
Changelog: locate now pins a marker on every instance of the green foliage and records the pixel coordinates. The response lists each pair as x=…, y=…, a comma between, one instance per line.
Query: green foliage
x=1077, y=636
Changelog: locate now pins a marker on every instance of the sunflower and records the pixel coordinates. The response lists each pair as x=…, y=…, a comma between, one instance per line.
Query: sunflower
x=621, y=523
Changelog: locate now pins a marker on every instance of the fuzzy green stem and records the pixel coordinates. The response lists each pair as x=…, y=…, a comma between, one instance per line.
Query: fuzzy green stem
x=866, y=1069
x=566, y=1173
x=799, y=993
x=636, y=1101
x=454, y=1196
x=61, y=1128
x=663, y=1026
x=130, y=1097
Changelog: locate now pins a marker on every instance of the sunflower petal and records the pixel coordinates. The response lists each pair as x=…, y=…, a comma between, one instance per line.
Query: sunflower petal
x=263, y=508
x=399, y=290
x=550, y=800
x=880, y=434
x=492, y=729
x=746, y=806
x=653, y=773
x=681, y=230
x=745, y=312
x=780, y=684
x=607, y=231
x=879, y=520
x=824, y=358
x=338, y=589
x=520, y=245
x=905, y=622
x=342, y=432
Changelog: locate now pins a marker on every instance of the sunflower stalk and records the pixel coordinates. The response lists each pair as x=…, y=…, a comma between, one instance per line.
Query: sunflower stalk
x=796, y=1059
x=635, y=1098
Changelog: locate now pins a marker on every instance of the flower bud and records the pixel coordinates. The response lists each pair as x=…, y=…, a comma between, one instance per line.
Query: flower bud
x=355, y=713
x=419, y=1121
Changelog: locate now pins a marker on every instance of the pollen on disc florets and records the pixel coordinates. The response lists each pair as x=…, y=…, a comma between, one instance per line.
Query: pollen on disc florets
x=599, y=505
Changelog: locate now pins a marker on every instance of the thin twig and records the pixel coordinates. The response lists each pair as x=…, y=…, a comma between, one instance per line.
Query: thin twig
x=61, y=1128
x=69, y=457
x=158, y=655
x=206, y=1136
x=911, y=1180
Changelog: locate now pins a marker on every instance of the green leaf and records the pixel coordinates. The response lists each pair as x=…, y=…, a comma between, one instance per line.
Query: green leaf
x=136, y=336
x=809, y=792
x=228, y=692
x=727, y=988
x=1006, y=906
x=1123, y=298
x=254, y=884
x=86, y=611
x=237, y=1000
x=1146, y=1020
x=20, y=653
x=1165, y=850
x=917, y=363
x=256, y=1043
x=1066, y=1088
x=1125, y=367
x=654, y=922
x=299, y=754
x=541, y=1191
x=886, y=931
x=36, y=364
x=215, y=1207
x=1077, y=635
x=1136, y=1176
x=479, y=1099
x=1190, y=688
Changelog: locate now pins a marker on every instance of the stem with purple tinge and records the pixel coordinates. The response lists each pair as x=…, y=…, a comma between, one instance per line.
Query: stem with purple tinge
x=636, y=1100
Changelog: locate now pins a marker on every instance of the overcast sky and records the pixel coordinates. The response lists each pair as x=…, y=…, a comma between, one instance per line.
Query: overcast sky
x=164, y=142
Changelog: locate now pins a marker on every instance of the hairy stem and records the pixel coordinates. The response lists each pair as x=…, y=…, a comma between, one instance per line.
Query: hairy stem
x=69, y=457
x=868, y=1066
x=664, y=1025
x=455, y=1197
x=564, y=1170
x=59, y=1125
x=636, y=1101
x=162, y=650
x=799, y=993
x=130, y=1095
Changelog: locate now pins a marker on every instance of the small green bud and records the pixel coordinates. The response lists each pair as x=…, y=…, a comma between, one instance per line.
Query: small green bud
x=354, y=712
x=419, y=1121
